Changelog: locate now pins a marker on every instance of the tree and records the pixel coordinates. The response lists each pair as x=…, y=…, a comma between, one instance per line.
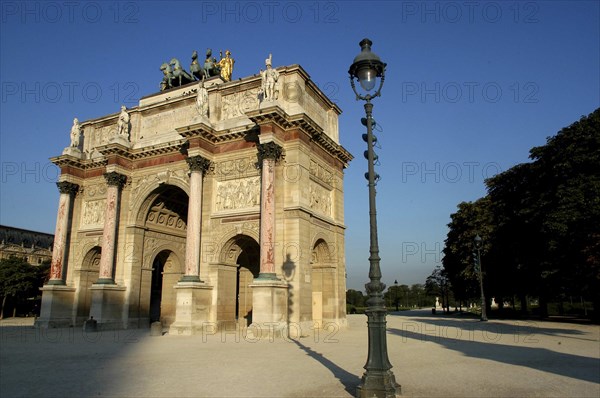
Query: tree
x=471, y=219
x=540, y=224
x=19, y=281
x=438, y=284
x=355, y=298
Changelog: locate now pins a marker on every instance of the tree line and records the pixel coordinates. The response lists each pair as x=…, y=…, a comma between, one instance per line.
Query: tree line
x=20, y=284
x=540, y=228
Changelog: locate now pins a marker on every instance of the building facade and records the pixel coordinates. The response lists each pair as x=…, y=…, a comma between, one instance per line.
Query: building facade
x=209, y=205
x=30, y=246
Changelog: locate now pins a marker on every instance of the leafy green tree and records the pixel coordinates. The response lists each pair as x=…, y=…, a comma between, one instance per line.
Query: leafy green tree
x=19, y=281
x=355, y=298
x=540, y=225
x=547, y=214
x=471, y=219
x=438, y=284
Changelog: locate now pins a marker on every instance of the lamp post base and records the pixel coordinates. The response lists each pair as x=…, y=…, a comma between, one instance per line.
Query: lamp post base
x=380, y=384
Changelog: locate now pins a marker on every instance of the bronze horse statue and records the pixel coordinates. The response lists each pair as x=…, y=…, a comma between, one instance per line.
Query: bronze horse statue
x=196, y=69
x=167, y=81
x=179, y=74
x=210, y=65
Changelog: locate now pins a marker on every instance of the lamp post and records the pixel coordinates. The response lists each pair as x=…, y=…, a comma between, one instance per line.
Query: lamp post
x=478, y=248
x=378, y=379
x=396, y=293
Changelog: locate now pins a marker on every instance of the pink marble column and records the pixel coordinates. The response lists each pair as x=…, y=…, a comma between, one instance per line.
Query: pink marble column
x=268, y=153
x=66, y=189
x=114, y=181
x=198, y=166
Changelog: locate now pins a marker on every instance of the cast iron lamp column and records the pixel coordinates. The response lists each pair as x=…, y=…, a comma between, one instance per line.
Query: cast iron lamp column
x=396, y=293
x=478, y=248
x=378, y=379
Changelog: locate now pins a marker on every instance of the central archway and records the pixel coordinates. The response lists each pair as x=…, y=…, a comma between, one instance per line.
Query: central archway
x=164, y=215
x=243, y=252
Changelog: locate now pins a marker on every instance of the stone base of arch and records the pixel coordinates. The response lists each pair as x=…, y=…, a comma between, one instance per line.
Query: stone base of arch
x=269, y=308
x=193, y=309
x=107, y=306
x=57, y=307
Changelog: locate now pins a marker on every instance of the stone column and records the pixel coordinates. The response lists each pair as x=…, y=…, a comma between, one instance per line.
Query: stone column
x=67, y=190
x=269, y=294
x=194, y=310
x=57, y=298
x=114, y=181
x=268, y=154
x=198, y=166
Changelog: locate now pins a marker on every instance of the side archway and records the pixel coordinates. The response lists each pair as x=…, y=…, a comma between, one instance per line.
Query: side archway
x=323, y=283
x=88, y=275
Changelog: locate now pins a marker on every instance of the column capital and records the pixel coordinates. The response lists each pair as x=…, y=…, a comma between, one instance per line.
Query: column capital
x=269, y=150
x=198, y=163
x=115, y=179
x=67, y=187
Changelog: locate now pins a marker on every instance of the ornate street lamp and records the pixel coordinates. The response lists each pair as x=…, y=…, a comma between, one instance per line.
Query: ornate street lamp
x=478, y=264
x=378, y=379
x=396, y=293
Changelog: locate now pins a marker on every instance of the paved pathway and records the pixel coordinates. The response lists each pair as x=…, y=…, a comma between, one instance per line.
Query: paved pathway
x=433, y=356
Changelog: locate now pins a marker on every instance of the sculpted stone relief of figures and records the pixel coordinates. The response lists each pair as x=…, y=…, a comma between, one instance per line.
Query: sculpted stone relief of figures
x=321, y=173
x=237, y=104
x=320, y=198
x=93, y=212
x=238, y=194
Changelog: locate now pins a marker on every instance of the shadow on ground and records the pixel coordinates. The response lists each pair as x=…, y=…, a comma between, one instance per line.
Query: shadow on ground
x=543, y=359
x=349, y=381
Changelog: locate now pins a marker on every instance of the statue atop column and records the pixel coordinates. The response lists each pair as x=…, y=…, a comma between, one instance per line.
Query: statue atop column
x=269, y=80
x=75, y=133
x=202, y=100
x=73, y=148
x=226, y=65
x=123, y=123
x=123, y=128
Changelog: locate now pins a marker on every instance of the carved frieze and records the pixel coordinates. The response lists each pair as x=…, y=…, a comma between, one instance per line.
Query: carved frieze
x=237, y=104
x=321, y=173
x=93, y=213
x=320, y=198
x=93, y=190
x=235, y=168
x=241, y=193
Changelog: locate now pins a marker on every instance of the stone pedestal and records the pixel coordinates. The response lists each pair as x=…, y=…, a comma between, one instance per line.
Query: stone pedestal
x=72, y=151
x=269, y=308
x=107, y=306
x=57, y=307
x=192, y=315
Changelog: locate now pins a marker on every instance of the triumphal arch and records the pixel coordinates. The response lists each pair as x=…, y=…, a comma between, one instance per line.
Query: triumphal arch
x=212, y=203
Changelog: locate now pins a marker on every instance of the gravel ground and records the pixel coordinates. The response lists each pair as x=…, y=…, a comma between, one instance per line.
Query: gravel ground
x=433, y=356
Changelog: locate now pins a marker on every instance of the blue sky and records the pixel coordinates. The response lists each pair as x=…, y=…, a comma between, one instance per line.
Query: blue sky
x=470, y=87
